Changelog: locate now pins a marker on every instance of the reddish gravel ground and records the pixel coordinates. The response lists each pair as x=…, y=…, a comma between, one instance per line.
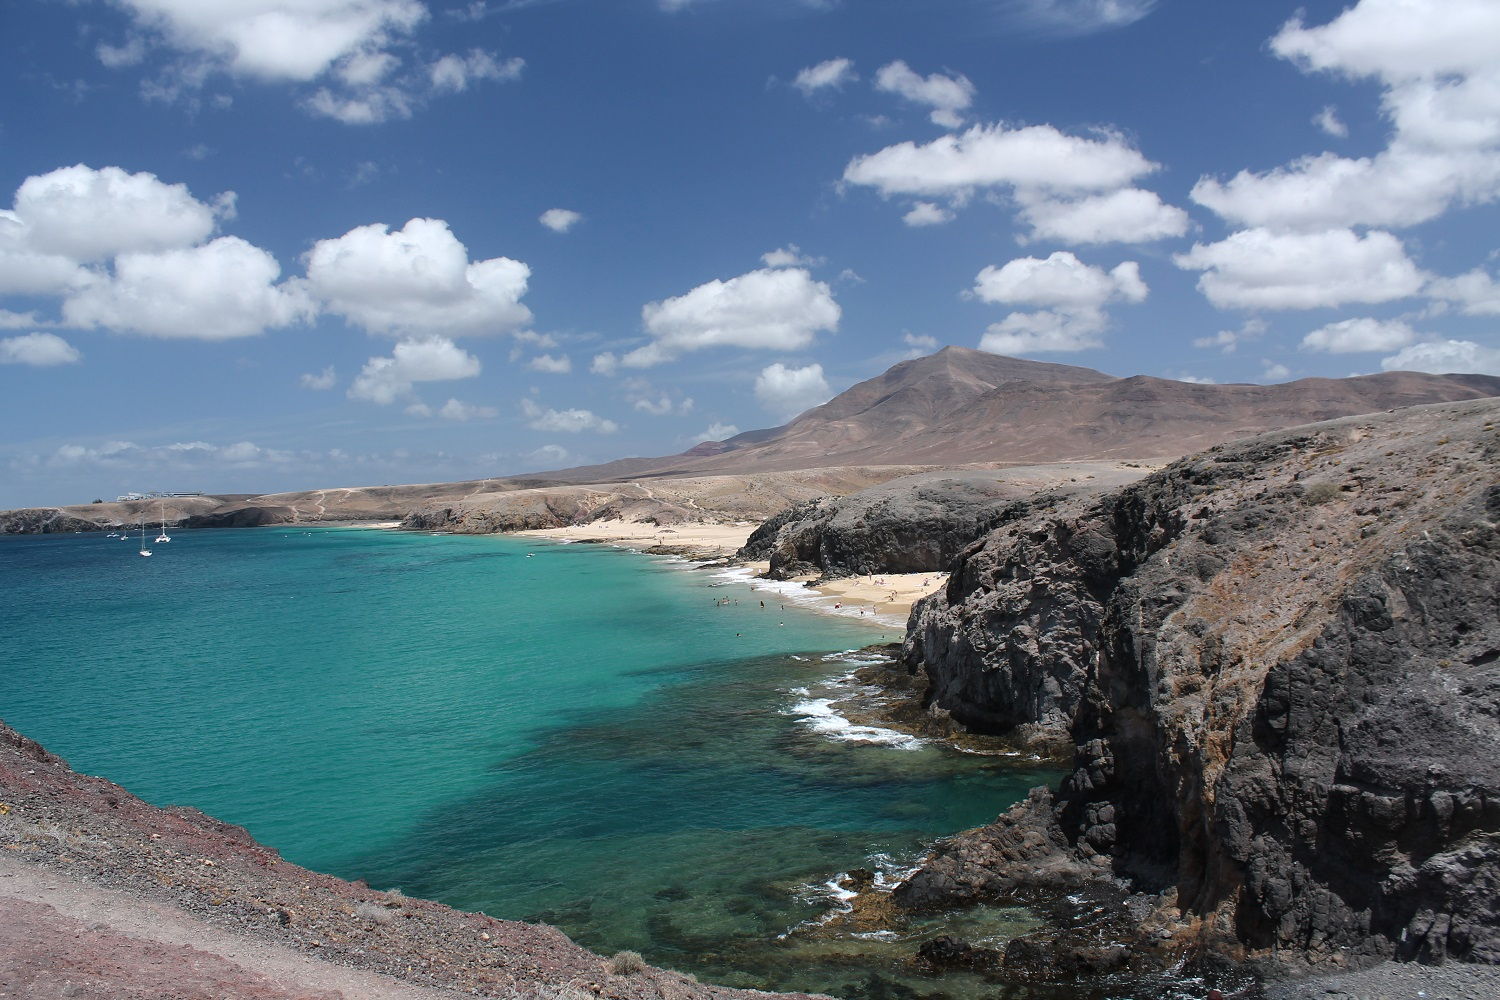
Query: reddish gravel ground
x=103, y=895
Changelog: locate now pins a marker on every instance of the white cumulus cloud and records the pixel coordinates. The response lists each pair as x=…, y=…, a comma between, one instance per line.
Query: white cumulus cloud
x=920, y=344
x=1328, y=120
x=1476, y=293
x=1438, y=63
x=14, y=321
x=454, y=73
x=1227, y=341
x=431, y=359
x=1262, y=269
x=1067, y=188
x=829, y=74
x=457, y=410
x=551, y=364
x=348, y=49
x=1351, y=336
x=1068, y=295
x=417, y=281
x=1127, y=215
x=1045, y=331
x=224, y=289
x=1445, y=356
x=1037, y=157
x=647, y=399
x=716, y=432
x=40, y=350
x=560, y=220
x=88, y=214
x=786, y=392
x=277, y=39
x=25, y=271
x=1080, y=17
x=549, y=456
x=321, y=382
x=573, y=421
x=925, y=213
x=1060, y=281
x=768, y=309
x=947, y=96
x=791, y=255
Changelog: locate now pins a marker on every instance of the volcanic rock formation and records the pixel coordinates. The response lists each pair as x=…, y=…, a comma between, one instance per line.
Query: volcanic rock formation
x=1277, y=666
x=914, y=524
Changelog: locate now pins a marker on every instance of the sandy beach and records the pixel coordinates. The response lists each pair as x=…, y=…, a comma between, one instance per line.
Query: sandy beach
x=883, y=600
x=697, y=540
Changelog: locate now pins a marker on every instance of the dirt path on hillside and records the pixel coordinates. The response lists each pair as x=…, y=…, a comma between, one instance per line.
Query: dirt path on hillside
x=63, y=938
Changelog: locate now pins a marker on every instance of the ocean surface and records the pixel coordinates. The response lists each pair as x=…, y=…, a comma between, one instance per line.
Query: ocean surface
x=568, y=733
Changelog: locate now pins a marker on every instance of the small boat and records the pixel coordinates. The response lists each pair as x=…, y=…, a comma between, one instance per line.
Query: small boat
x=144, y=551
x=164, y=537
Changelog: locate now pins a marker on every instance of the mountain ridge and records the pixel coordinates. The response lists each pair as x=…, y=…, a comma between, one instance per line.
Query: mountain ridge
x=955, y=407
x=961, y=406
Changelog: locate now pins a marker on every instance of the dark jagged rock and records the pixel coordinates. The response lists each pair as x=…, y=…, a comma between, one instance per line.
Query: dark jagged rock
x=762, y=541
x=243, y=517
x=945, y=953
x=1278, y=665
x=916, y=524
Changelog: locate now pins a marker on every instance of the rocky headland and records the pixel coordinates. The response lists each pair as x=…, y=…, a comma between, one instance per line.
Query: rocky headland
x=914, y=524
x=1276, y=668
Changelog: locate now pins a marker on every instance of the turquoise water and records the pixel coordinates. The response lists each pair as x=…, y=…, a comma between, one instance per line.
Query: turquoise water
x=583, y=736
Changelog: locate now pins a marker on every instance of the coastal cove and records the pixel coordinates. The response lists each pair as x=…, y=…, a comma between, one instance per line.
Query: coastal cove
x=568, y=733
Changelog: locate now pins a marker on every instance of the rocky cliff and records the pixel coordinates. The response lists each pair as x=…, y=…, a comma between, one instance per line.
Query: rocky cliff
x=1277, y=666
x=915, y=524
x=44, y=521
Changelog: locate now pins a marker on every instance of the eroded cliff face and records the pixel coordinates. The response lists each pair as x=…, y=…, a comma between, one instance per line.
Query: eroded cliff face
x=44, y=521
x=1278, y=667
x=915, y=524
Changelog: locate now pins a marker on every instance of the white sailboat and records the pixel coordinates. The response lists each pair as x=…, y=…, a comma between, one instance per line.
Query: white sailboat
x=164, y=537
x=144, y=551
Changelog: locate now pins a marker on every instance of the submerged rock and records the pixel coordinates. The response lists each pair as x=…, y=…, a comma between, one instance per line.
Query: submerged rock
x=1278, y=666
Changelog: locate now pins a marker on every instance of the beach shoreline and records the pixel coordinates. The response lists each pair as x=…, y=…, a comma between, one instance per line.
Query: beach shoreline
x=881, y=601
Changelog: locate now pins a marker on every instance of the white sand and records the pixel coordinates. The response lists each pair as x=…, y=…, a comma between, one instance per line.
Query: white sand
x=702, y=539
x=883, y=600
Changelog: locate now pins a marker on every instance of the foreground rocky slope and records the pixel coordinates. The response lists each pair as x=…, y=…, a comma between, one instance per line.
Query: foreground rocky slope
x=1277, y=668
x=104, y=896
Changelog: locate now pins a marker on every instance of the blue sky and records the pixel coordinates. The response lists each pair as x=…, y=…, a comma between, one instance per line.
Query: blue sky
x=272, y=244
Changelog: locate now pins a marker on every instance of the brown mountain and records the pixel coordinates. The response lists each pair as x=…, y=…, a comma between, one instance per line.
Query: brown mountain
x=962, y=406
x=955, y=407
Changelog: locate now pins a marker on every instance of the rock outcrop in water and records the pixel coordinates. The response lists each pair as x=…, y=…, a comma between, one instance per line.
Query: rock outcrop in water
x=1277, y=665
x=915, y=524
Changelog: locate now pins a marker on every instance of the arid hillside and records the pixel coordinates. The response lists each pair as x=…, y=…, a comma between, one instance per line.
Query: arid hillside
x=956, y=408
